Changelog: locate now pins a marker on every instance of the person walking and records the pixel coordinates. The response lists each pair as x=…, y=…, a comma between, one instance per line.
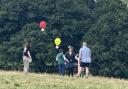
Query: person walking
x=85, y=59
x=60, y=58
x=27, y=56
x=70, y=56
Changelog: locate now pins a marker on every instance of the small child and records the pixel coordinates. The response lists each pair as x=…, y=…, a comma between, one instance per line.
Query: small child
x=60, y=58
x=78, y=59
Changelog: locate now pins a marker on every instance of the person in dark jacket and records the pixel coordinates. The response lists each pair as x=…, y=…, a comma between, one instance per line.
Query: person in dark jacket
x=70, y=56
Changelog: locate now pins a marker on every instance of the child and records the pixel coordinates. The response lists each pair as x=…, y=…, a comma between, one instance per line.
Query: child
x=60, y=58
x=78, y=59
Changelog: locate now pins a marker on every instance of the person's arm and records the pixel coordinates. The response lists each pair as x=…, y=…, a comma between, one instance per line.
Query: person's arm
x=29, y=56
x=57, y=57
x=24, y=50
x=65, y=55
x=80, y=54
x=77, y=57
x=65, y=58
x=90, y=53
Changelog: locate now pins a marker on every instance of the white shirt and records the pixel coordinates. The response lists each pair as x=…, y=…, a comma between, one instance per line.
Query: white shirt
x=85, y=54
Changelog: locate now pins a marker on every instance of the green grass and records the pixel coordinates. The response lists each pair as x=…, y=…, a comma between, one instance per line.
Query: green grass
x=17, y=80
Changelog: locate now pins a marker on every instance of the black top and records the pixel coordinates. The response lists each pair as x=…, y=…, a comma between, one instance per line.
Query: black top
x=26, y=51
x=70, y=58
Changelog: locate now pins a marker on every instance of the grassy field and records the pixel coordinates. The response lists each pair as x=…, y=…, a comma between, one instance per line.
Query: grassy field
x=17, y=80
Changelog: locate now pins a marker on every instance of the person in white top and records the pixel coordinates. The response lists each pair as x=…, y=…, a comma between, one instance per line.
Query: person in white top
x=27, y=56
x=85, y=59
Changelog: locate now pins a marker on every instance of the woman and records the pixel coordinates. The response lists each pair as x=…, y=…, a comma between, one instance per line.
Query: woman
x=27, y=56
x=60, y=58
x=70, y=56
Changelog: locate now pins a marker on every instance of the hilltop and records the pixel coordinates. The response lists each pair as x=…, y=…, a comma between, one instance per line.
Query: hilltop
x=18, y=80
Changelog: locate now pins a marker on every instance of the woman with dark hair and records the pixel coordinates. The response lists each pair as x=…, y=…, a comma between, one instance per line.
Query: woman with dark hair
x=70, y=56
x=27, y=56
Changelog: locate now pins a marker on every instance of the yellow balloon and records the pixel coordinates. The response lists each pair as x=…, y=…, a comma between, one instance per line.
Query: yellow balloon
x=57, y=41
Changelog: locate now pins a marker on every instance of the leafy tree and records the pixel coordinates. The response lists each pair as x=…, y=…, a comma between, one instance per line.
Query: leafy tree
x=102, y=24
x=108, y=39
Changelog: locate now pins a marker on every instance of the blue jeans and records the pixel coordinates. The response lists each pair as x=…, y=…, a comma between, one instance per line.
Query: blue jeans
x=61, y=68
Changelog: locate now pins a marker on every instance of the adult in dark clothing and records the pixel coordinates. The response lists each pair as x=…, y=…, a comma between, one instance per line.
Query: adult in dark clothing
x=70, y=56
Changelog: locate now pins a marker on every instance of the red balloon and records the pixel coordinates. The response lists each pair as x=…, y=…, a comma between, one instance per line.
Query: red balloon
x=43, y=24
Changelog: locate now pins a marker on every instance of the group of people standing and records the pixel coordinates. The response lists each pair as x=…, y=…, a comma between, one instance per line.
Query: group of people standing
x=66, y=60
x=69, y=59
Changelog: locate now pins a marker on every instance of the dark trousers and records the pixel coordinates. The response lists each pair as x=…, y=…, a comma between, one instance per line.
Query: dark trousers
x=70, y=71
x=61, y=68
x=70, y=67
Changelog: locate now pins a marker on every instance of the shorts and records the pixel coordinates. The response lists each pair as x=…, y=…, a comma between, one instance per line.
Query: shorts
x=82, y=64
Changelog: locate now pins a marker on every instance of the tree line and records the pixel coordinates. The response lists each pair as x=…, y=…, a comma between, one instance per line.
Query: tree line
x=102, y=24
